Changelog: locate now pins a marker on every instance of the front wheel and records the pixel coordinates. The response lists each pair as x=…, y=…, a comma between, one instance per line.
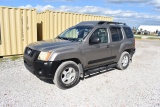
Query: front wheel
x=67, y=75
x=123, y=62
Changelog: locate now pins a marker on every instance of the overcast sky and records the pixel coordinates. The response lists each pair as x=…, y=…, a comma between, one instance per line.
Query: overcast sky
x=132, y=12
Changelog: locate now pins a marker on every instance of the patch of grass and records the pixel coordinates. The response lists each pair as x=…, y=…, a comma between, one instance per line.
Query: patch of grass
x=13, y=58
x=137, y=37
x=153, y=38
x=146, y=35
x=1, y=60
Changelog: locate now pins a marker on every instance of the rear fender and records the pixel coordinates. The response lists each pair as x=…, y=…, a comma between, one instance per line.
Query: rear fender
x=124, y=46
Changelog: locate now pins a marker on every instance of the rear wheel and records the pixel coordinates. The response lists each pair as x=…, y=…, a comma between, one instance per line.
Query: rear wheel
x=67, y=75
x=123, y=62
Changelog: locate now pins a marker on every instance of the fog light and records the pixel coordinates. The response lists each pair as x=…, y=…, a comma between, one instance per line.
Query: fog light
x=40, y=72
x=45, y=63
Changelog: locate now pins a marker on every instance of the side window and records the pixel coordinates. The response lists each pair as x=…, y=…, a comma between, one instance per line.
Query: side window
x=128, y=32
x=116, y=34
x=102, y=34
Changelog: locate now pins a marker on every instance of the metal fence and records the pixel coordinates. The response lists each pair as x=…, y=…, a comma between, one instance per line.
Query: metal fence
x=19, y=27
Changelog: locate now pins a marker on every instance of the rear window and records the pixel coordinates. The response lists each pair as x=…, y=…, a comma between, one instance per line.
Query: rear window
x=116, y=34
x=128, y=32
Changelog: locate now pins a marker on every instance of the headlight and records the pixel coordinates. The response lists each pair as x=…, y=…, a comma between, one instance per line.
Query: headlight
x=44, y=56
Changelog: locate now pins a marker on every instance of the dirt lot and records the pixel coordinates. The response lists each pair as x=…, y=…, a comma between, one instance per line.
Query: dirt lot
x=137, y=86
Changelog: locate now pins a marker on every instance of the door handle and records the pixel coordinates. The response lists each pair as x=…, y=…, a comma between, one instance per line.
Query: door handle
x=107, y=46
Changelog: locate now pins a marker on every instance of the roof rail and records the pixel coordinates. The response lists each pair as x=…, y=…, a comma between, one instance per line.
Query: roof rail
x=116, y=23
x=94, y=23
x=107, y=22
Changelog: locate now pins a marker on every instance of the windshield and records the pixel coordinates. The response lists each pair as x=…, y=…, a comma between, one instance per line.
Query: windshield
x=77, y=33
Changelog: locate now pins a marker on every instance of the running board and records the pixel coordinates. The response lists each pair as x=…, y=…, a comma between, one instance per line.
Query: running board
x=99, y=70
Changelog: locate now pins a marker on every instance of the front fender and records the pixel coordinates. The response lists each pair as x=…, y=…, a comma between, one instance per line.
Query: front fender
x=68, y=54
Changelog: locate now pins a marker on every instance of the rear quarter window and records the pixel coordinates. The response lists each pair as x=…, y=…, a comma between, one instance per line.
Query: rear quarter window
x=128, y=32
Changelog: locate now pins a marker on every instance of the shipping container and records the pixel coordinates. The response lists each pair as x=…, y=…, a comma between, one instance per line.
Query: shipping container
x=18, y=28
x=52, y=23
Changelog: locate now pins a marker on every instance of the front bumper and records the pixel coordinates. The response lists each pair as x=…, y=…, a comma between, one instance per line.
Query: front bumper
x=41, y=69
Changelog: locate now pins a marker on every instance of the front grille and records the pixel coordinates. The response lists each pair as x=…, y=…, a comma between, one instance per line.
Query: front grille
x=30, y=52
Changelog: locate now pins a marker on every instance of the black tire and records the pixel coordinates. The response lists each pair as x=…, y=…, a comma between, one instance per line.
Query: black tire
x=60, y=77
x=120, y=64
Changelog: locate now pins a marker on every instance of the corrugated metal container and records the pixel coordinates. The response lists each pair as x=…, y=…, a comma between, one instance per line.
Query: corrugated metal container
x=52, y=23
x=18, y=28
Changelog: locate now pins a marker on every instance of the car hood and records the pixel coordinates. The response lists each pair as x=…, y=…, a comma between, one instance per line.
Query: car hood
x=50, y=45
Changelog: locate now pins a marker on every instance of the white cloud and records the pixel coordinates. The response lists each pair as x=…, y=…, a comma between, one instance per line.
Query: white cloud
x=105, y=11
x=43, y=8
x=154, y=3
x=128, y=1
x=39, y=7
x=58, y=0
x=131, y=17
x=27, y=7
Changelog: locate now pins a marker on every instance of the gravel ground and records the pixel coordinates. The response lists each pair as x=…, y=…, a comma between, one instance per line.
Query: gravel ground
x=137, y=86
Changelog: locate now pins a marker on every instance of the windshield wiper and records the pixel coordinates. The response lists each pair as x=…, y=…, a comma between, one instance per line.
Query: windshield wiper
x=73, y=39
x=62, y=38
x=69, y=39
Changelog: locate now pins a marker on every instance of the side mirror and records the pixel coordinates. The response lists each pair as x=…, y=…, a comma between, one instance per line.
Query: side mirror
x=95, y=40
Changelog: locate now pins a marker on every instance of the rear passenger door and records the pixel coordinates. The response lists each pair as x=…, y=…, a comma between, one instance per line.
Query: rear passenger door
x=116, y=40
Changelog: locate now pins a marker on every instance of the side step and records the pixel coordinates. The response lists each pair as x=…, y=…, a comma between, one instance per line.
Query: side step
x=99, y=70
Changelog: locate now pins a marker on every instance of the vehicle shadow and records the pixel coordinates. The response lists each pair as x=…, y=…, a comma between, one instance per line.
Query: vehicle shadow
x=49, y=81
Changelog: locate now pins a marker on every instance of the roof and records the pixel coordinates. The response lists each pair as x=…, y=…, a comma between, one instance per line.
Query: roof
x=94, y=23
x=151, y=28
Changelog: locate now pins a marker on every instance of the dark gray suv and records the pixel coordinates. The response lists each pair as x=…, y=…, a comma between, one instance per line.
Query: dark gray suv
x=84, y=47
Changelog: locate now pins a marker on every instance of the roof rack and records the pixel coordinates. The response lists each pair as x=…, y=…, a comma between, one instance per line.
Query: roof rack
x=94, y=23
x=107, y=22
x=116, y=23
